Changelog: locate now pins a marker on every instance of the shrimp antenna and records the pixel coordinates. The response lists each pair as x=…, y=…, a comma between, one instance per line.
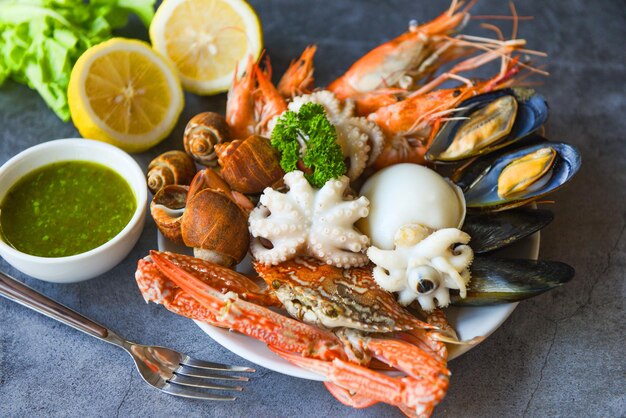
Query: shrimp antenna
x=456, y=5
x=515, y=20
x=520, y=79
x=498, y=48
x=500, y=17
x=453, y=6
x=494, y=28
x=469, y=6
x=487, y=44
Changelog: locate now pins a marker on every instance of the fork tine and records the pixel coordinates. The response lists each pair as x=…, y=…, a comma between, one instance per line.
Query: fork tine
x=194, y=372
x=195, y=382
x=194, y=394
x=200, y=364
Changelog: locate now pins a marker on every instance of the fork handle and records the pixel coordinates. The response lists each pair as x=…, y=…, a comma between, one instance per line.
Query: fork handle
x=26, y=296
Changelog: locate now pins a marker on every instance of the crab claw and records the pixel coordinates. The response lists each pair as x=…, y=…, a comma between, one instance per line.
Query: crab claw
x=237, y=314
x=218, y=277
x=423, y=388
x=349, y=398
x=157, y=288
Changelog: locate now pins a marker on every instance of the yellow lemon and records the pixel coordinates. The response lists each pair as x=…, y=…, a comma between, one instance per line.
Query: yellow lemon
x=206, y=40
x=123, y=92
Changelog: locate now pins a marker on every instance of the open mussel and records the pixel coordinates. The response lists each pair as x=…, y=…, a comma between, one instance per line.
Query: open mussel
x=488, y=122
x=493, y=231
x=495, y=281
x=517, y=176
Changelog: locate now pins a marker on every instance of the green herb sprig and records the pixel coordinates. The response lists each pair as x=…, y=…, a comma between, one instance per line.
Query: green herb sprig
x=308, y=138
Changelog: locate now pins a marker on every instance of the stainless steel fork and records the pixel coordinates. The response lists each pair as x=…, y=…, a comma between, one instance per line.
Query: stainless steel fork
x=167, y=370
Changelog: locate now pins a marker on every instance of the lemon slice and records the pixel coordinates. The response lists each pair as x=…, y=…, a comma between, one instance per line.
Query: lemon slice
x=206, y=40
x=123, y=92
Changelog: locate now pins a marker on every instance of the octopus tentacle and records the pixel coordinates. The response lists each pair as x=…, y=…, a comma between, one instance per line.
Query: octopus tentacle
x=305, y=221
x=424, y=265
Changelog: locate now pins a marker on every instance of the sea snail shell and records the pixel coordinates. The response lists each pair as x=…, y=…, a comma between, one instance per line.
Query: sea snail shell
x=171, y=167
x=251, y=165
x=215, y=221
x=167, y=208
x=203, y=132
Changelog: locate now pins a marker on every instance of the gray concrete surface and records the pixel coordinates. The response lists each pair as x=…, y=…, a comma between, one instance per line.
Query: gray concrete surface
x=560, y=354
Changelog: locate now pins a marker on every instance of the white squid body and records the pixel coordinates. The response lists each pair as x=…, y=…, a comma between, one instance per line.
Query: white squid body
x=424, y=265
x=307, y=221
x=360, y=139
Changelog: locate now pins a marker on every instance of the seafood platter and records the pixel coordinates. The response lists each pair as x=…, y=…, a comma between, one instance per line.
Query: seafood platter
x=337, y=227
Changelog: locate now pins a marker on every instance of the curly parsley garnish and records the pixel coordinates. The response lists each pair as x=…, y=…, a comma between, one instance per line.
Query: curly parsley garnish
x=308, y=137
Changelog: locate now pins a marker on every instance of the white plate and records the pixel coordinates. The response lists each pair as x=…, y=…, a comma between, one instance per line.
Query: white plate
x=468, y=322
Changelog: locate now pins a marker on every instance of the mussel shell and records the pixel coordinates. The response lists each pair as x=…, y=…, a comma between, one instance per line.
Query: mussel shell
x=479, y=180
x=493, y=231
x=532, y=112
x=495, y=281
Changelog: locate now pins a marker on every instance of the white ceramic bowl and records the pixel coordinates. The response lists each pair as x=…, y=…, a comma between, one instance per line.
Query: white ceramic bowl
x=92, y=263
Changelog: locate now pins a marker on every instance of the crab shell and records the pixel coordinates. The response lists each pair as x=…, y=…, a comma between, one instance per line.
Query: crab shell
x=316, y=292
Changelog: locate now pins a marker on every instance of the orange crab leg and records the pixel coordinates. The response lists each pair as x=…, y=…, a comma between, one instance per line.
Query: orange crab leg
x=423, y=340
x=255, y=321
x=220, y=278
x=415, y=393
x=410, y=359
x=349, y=398
x=155, y=287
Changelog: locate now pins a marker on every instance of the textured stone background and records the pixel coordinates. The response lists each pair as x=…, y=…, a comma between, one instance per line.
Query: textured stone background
x=560, y=354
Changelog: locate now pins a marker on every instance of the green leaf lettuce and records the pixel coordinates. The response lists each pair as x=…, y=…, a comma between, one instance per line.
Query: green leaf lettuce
x=40, y=40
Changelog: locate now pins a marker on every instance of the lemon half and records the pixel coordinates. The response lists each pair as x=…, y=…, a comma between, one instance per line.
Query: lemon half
x=123, y=92
x=206, y=40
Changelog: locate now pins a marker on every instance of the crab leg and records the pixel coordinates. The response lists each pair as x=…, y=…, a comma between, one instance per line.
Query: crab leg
x=255, y=321
x=414, y=391
x=220, y=278
x=348, y=397
x=155, y=287
x=410, y=359
x=425, y=340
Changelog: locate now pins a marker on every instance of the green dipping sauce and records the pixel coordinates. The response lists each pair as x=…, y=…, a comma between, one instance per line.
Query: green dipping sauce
x=66, y=208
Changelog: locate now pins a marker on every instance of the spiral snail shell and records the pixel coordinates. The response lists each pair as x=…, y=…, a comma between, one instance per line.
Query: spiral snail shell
x=167, y=208
x=171, y=167
x=203, y=132
x=251, y=165
x=214, y=223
